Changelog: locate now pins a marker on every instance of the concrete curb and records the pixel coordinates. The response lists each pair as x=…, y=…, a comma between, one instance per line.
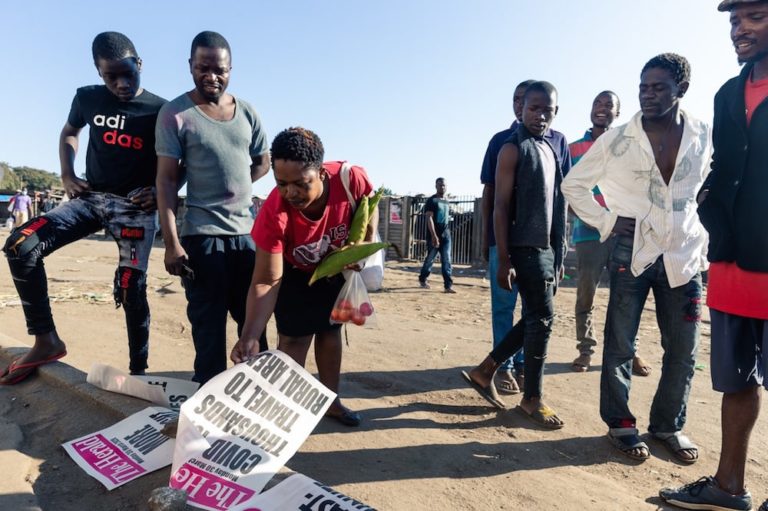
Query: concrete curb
x=71, y=379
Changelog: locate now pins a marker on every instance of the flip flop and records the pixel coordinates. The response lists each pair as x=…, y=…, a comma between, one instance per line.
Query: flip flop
x=347, y=417
x=676, y=443
x=627, y=440
x=507, y=384
x=488, y=393
x=540, y=416
x=16, y=366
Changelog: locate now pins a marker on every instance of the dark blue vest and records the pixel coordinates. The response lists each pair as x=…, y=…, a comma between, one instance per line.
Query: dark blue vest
x=528, y=215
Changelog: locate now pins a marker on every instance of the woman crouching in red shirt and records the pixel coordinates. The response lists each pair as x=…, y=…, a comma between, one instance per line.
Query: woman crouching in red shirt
x=307, y=215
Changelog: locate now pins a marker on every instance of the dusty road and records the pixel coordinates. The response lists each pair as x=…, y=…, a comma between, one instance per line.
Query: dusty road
x=428, y=441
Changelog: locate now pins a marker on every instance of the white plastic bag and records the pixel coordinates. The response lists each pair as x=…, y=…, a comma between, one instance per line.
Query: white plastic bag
x=373, y=265
x=373, y=270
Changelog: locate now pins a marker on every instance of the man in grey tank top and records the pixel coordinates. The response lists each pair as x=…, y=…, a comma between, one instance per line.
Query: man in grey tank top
x=221, y=143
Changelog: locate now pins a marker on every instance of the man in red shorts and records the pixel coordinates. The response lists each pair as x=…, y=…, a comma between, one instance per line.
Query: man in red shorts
x=733, y=209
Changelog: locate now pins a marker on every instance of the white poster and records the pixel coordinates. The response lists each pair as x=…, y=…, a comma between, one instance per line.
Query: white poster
x=130, y=449
x=395, y=212
x=160, y=390
x=301, y=493
x=175, y=391
x=242, y=426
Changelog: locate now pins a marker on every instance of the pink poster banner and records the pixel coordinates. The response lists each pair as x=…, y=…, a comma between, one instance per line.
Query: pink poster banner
x=127, y=450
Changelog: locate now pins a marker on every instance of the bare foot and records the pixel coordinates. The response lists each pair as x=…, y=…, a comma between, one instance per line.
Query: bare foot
x=581, y=364
x=640, y=367
x=483, y=374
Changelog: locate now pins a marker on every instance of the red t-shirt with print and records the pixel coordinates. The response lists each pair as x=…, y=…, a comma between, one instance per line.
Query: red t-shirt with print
x=280, y=228
x=731, y=289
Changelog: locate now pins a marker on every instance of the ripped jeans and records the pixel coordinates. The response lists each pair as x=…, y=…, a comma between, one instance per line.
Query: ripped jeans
x=678, y=314
x=535, y=268
x=134, y=231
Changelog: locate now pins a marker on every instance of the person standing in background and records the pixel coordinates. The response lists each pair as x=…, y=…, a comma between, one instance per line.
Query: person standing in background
x=502, y=301
x=437, y=211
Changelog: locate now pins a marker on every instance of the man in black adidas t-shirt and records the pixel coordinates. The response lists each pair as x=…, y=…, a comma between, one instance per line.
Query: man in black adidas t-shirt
x=117, y=194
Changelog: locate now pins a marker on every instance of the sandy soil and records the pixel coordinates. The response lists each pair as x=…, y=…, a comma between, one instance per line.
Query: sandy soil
x=428, y=441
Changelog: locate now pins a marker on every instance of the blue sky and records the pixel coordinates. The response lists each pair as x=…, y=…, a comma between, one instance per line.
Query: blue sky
x=410, y=89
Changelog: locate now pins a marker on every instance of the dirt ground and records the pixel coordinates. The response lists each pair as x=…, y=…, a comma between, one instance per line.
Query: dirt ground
x=428, y=441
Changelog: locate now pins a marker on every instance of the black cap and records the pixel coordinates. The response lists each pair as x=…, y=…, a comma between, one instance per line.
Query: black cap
x=727, y=5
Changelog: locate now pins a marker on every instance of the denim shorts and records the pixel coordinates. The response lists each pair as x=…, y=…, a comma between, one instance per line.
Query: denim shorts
x=739, y=352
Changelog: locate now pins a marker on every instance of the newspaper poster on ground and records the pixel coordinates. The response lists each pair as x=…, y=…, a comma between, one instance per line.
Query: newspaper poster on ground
x=301, y=493
x=242, y=426
x=160, y=390
x=127, y=450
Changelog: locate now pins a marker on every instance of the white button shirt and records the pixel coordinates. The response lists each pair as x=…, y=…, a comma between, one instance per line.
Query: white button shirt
x=622, y=164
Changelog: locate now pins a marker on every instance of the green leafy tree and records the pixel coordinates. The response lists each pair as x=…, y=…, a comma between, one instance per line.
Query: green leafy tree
x=37, y=180
x=9, y=181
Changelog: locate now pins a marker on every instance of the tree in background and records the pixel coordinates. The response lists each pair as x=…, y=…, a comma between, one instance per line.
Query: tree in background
x=13, y=178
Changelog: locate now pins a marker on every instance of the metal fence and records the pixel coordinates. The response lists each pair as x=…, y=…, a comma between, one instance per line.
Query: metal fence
x=462, y=226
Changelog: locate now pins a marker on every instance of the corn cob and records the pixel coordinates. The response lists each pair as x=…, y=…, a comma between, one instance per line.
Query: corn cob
x=359, y=222
x=337, y=260
x=373, y=202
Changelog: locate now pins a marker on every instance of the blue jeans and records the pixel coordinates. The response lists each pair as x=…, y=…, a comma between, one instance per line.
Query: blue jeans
x=134, y=231
x=536, y=283
x=222, y=267
x=445, y=259
x=502, y=311
x=678, y=314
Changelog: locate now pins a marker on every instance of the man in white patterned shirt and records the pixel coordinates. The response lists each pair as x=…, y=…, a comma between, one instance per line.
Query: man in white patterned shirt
x=649, y=171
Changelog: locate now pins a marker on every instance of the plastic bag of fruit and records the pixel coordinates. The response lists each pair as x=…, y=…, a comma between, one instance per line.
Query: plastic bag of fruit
x=353, y=304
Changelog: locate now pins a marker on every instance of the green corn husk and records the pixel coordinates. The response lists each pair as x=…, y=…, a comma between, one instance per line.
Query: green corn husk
x=373, y=202
x=359, y=222
x=336, y=261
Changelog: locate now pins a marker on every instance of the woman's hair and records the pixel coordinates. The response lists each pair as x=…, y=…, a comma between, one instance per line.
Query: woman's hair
x=298, y=144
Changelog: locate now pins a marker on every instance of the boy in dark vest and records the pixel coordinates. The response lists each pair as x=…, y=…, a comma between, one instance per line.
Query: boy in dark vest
x=529, y=224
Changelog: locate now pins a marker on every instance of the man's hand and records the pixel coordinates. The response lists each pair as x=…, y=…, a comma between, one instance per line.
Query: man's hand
x=145, y=198
x=244, y=349
x=506, y=275
x=75, y=186
x=435, y=242
x=486, y=249
x=624, y=226
x=175, y=260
